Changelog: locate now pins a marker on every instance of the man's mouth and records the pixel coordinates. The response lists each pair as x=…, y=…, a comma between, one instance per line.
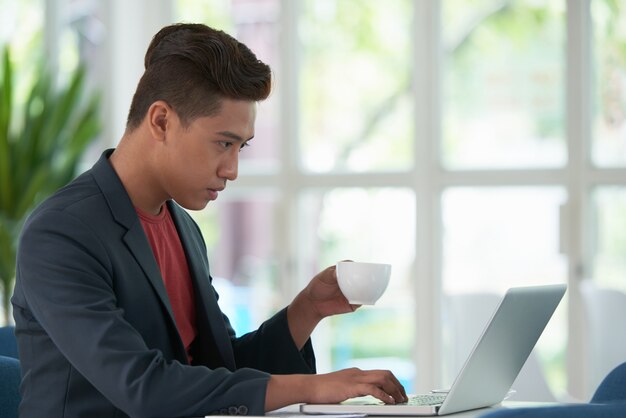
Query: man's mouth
x=213, y=193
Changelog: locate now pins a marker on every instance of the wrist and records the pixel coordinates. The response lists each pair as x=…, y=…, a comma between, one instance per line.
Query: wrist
x=283, y=390
x=302, y=318
x=304, y=310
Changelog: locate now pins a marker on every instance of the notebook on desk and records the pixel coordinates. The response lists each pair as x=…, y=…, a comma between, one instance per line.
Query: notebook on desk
x=491, y=368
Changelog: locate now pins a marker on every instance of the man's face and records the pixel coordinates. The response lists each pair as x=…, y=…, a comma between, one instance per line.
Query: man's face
x=198, y=160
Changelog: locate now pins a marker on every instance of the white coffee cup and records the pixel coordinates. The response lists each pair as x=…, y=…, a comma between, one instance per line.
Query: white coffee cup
x=362, y=283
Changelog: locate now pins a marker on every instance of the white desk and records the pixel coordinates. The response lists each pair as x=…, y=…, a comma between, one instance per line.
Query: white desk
x=294, y=410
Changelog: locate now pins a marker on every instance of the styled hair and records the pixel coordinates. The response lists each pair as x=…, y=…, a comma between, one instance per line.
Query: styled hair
x=192, y=67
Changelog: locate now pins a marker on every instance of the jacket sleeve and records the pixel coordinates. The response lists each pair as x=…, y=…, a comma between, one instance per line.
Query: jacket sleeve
x=65, y=281
x=271, y=349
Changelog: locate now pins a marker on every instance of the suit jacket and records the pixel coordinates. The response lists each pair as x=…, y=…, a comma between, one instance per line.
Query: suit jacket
x=95, y=328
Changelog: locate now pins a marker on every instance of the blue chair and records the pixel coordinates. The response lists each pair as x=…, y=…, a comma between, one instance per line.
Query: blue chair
x=608, y=401
x=10, y=377
x=8, y=342
x=613, y=387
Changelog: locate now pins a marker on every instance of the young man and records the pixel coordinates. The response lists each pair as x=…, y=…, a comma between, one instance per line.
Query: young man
x=114, y=309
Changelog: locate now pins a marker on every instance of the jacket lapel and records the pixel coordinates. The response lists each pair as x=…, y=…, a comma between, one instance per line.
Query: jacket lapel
x=135, y=238
x=199, y=268
x=137, y=243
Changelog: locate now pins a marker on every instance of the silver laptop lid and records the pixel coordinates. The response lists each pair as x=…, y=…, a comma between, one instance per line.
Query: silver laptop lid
x=503, y=348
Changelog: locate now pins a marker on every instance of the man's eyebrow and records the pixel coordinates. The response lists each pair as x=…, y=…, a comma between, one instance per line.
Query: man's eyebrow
x=234, y=136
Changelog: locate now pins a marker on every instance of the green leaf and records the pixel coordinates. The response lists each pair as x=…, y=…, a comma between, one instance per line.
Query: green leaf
x=33, y=116
x=5, y=120
x=7, y=251
x=66, y=103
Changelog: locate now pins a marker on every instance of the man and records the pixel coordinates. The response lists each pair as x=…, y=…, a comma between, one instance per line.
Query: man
x=114, y=309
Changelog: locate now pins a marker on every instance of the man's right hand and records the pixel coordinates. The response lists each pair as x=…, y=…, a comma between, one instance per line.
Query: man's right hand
x=283, y=390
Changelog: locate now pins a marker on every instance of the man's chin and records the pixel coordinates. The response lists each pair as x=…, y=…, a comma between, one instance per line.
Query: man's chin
x=198, y=205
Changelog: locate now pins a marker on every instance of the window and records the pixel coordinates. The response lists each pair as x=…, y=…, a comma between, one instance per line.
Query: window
x=609, y=80
x=503, y=98
x=609, y=241
x=355, y=84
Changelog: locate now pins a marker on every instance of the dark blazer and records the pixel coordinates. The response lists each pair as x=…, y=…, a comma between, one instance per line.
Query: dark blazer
x=95, y=329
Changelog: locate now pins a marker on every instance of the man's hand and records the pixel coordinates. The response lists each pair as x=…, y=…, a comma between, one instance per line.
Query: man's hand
x=319, y=299
x=349, y=383
x=333, y=387
x=324, y=294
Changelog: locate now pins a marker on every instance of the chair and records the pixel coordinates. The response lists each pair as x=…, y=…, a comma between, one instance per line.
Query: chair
x=613, y=386
x=9, y=387
x=609, y=400
x=10, y=375
x=605, y=313
x=468, y=315
x=8, y=342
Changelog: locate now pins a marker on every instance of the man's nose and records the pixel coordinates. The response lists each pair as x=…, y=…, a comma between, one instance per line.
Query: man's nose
x=229, y=166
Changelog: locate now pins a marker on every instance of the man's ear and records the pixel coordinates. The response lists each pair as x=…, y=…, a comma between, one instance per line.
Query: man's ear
x=159, y=119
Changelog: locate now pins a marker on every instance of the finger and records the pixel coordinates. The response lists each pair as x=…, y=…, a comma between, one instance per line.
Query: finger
x=328, y=276
x=400, y=391
x=388, y=382
x=398, y=394
x=377, y=392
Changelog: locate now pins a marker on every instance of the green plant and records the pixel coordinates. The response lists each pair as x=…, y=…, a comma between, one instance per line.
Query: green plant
x=41, y=143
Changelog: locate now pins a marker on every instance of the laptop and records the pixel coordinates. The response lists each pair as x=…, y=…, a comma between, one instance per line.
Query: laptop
x=489, y=371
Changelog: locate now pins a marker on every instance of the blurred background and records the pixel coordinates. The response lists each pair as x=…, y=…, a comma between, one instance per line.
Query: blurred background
x=474, y=145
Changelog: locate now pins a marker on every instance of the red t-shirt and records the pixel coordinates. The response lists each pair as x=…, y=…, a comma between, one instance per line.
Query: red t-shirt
x=170, y=257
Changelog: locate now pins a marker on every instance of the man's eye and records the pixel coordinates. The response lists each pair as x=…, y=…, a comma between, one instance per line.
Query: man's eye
x=245, y=144
x=225, y=144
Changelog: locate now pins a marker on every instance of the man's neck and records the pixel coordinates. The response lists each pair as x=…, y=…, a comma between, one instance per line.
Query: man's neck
x=133, y=164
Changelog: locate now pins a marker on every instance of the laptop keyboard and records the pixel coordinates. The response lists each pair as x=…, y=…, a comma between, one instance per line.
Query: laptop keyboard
x=426, y=399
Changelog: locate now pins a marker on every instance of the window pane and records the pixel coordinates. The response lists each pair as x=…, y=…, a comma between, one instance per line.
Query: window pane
x=215, y=13
x=239, y=233
x=496, y=238
x=21, y=26
x=256, y=23
x=356, y=85
x=604, y=296
x=82, y=38
x=609, y=112
x=21, y=30
x=609, y=244
x=373, y=225
x=503, y=103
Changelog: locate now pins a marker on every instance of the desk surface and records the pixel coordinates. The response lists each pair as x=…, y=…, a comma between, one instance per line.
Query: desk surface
x=294, y=410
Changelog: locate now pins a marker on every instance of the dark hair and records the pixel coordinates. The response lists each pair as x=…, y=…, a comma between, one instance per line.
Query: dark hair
x=192, y=67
